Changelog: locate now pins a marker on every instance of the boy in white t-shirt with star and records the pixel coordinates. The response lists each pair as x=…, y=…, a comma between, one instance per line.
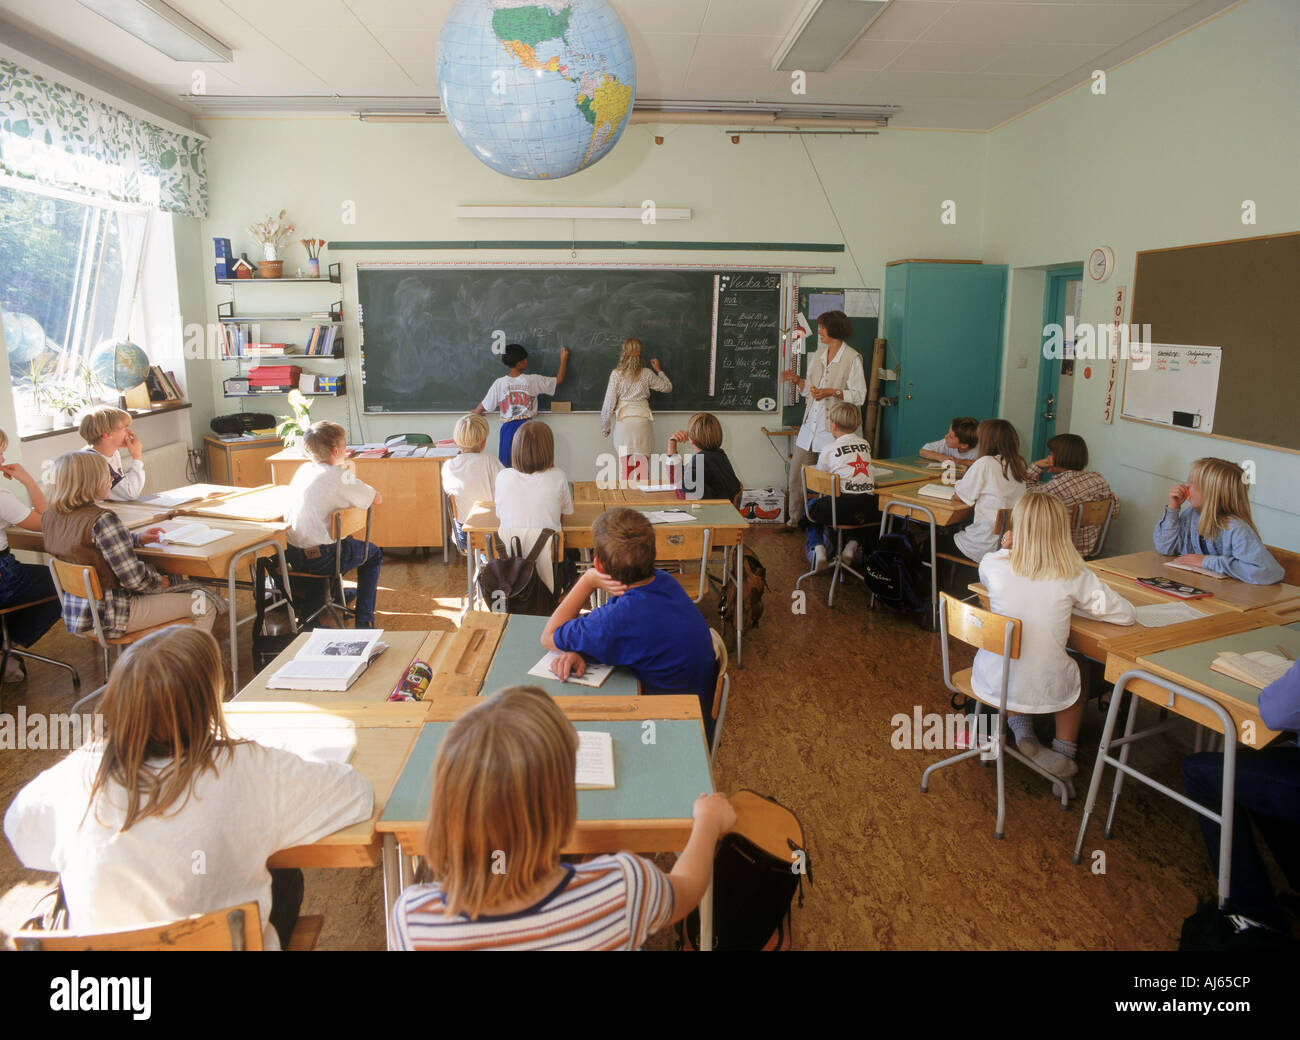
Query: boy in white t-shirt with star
x=515, y=396
x=849, y=458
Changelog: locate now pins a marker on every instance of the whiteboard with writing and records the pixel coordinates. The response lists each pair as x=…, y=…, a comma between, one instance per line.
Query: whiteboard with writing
x=1172, y=385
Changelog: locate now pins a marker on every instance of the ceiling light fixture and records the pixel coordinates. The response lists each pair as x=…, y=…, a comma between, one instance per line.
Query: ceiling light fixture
x=163, y=29
x=824, y=32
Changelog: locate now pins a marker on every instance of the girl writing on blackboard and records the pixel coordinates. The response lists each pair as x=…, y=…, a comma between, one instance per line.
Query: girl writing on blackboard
x=627, y=406
x=1216, y=533
x=515, y=395
x=834, y=374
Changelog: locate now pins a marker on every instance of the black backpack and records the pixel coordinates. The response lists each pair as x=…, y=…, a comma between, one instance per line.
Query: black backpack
x=513, y=586
x=1213, y=929
x=895, y=573
x=758, y=868
x=272, y=628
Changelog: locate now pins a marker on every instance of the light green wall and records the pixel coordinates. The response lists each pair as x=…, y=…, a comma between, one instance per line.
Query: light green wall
x=406, y=179
x=1166, y=157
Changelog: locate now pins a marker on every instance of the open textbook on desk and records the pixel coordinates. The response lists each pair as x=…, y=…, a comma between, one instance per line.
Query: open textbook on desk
x=332, y=660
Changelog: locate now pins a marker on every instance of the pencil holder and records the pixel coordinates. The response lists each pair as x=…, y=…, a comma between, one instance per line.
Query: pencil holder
x=313, y=267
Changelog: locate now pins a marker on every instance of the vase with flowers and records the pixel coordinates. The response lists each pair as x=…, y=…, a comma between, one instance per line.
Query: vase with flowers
x=313, y=247
x=271, y=234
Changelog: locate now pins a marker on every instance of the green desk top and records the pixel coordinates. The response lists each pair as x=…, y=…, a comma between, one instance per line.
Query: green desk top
x=654, y=781
x=719, y=513
x=520, y=648
x=1194, y=661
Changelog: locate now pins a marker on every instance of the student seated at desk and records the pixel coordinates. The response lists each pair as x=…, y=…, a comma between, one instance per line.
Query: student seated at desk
x=649, y=625
x=1073, y=483
x=78, y=530
x=123, y=818
x=23, y=582
x=708, y=473
x=471, y=476
x=503, y=783
x=960, y=442
x=1217, y=532
x=1039, y=577
x=107, y=430
x=1267, y=795
x=849, y=458
x=534, y=495
x=996, y=481
x=318, y=490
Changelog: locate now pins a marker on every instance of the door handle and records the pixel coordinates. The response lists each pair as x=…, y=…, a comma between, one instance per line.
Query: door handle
x=1051, y=411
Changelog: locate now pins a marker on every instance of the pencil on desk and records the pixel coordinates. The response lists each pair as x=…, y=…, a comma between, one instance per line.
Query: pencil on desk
x=1282, y=650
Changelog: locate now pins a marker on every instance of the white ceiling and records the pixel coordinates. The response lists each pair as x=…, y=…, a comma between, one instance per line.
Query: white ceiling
x=963, y=64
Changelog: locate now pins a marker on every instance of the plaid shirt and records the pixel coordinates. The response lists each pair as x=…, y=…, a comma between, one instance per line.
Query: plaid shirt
x=111, y=538
x=1073, y=487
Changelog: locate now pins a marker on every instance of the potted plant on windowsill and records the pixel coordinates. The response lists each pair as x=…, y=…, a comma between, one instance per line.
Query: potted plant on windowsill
x=293, y=427
x=271, y=234
x=38, y=384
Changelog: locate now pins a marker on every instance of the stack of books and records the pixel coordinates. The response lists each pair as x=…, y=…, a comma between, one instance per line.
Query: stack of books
x=273, y=379
x=163, y=387
x=321, y=341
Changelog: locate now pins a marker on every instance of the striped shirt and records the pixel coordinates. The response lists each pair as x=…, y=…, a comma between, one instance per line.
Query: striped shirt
x=610, y=903
x=1073, y=487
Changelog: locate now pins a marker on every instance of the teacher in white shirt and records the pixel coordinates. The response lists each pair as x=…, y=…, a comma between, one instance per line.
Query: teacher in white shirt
x=834, y=373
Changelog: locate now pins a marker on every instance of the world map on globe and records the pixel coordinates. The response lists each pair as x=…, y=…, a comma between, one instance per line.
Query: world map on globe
x=536, y=89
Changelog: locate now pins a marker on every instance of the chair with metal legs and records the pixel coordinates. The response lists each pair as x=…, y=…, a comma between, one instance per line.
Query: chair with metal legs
x=335, y=596
x=8, y=650
x=1000, y=635
x=823, y=483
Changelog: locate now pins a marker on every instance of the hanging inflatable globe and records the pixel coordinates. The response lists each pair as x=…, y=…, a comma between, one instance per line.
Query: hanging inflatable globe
x=26, y=342
x=536, y=90
x=119, y=364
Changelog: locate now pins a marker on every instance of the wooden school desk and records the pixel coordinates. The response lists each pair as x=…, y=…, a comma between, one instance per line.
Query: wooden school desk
x=648, y=811
x=1093, y=638
x=727, y=529
x=217, y=561
x=520, y=647
x=903, y=501
x=411, y=512
x=1234, y=594
x=923, y=467
x=383, y=734
x=372, y=686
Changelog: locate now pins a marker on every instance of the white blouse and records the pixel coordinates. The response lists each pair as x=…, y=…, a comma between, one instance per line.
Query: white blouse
x=988, y=489
x=1043, y=678
x=622, y=390
x=844, y=373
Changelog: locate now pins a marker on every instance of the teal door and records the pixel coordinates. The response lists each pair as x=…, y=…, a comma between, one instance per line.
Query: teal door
x=1048, y=402
x=943, y=323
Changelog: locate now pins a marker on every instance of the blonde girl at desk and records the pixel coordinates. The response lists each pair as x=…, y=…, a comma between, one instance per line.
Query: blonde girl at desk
x=1216, y=532
x=1039, y=577
x=503, y=785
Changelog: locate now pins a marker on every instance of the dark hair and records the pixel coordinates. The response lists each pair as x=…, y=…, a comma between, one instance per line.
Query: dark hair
x=998, y=437
x=966, y=429
x=1069, y=451
x=836, y=324
x=514, y=354
x=625, y=545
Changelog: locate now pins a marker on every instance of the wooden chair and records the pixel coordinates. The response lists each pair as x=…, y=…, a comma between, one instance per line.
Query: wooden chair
x=1096, y=513
x=1000, y=635
x=721, y=691
x=1290, y=562
x=824, y=483
x=8, y=650
x=680, y=544
x=76, y=580
x=237, y=928
x=335, y=596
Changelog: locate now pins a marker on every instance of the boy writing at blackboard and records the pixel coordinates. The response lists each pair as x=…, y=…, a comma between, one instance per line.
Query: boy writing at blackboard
x=515, y=395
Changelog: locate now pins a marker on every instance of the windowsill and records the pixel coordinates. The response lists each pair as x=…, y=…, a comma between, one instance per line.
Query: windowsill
x=136, y=413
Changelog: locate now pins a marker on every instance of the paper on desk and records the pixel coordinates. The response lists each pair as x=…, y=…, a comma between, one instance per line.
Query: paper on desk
x=879, y=471
x=669, y=516
x=594, y=676
x=193, y=535
x=650, y=488
x=1158, y=615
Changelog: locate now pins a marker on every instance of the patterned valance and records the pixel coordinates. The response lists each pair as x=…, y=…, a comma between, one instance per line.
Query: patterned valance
x=58, y=136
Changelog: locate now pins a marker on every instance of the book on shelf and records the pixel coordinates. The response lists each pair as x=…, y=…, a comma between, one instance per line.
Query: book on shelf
x=160, y=389
x=1259, y=668
x=175, y=385
x=320, y=343
x=332, y=660
x=272, y=349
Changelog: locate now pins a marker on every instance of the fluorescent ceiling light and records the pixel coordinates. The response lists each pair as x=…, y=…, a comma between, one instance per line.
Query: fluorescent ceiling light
x=824, y=32
x=163, y=29
x=572, y=212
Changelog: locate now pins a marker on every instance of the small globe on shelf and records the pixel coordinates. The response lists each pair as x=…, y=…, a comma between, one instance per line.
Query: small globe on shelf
x=119, y=364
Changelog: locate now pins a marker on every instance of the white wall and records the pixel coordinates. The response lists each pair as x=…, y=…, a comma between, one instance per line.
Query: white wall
x=405, y=180
x=1165, y=158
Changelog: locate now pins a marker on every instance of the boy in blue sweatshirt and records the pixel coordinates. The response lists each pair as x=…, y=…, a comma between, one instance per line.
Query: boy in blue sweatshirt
x=649, y=625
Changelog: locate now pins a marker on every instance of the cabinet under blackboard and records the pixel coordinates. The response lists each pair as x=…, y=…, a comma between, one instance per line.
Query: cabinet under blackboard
x=432, y=337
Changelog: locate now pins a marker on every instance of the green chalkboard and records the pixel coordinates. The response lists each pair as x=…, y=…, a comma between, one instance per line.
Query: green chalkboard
x=429, y=335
